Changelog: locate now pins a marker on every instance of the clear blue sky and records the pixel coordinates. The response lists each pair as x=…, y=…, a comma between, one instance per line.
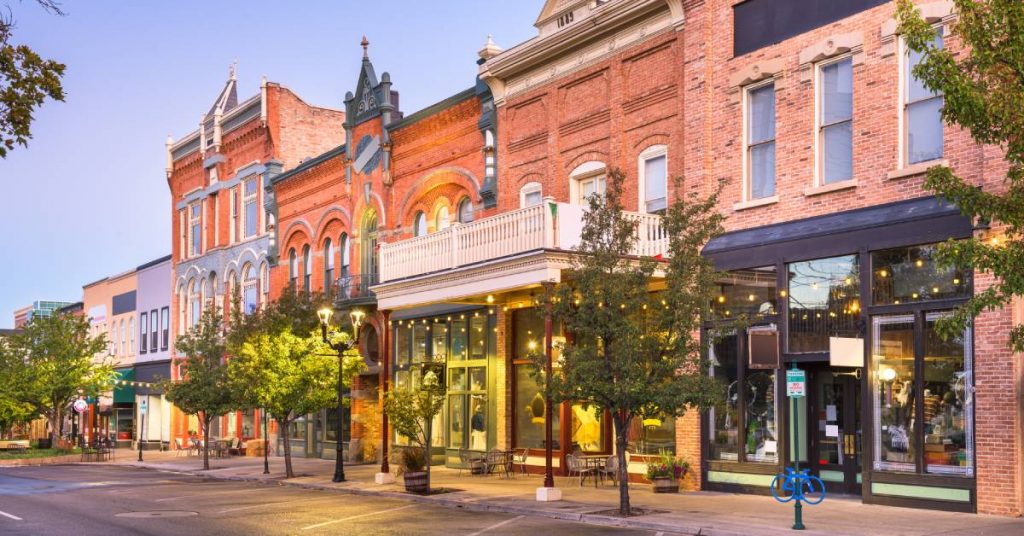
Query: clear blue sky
x=88, y=198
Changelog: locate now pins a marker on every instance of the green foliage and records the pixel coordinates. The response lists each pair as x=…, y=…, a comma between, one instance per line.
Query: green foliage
x=204, y=389
x=281, y=363
x=983, y=86
x=635, y=352
x=667, y=466
x=411, y=413
x=26, y=81
x=54, y=360
x=413, y=459
x=15, y=408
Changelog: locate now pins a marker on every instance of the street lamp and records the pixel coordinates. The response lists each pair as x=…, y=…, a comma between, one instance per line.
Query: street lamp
x=356, y=317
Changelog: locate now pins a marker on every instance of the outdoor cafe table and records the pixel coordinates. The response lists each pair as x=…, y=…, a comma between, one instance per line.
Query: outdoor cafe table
x=501, y=460
x=596, y=463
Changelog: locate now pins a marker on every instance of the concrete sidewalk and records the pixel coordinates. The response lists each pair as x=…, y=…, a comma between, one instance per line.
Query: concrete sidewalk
x=703, y=513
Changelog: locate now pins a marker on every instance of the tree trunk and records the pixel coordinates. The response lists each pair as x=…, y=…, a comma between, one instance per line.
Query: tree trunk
x=288, y=473
x=206, y=443
x=55, y=418
x=621, y=431
x=430, y=424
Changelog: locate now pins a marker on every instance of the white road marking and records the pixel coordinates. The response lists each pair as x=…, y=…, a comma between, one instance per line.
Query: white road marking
x=659, y=533
x=333, y=521
x=496, y=525
x=262, y=505
x=168, y=499
x=14, y=517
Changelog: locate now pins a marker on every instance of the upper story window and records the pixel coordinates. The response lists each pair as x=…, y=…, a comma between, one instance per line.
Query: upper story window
x=144, y=335
x=194, y=304
x=124, y=338
x=233, y=231
x=346, y=255
x=251, y=212
x=165, y=327
x=265, y=281
x=250, y=296
x=530, y=195
x=586, y=180
x=654, y=179
x=921, y=112
x=293, y=268
x=441, y=219
x=760, y=141
x=307, y=268
x=328, y=265
x=465, y=210
x=835, y=121
x=195, y=228
x=131, y=335
x=154, y=328
x=419, y=224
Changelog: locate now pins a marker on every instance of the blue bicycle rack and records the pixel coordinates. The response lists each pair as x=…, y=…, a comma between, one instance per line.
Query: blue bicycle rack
x=799, y=486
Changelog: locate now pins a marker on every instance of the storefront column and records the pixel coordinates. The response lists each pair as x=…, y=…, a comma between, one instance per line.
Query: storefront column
x=384, y=476
x=548, y=492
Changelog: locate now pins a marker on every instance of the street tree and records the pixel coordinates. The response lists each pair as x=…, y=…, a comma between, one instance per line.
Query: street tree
x=14, y=406
x=203, y=389
x=57, y=360
x=286, y=372
x=26, y=81
x=412, y=412
x=634, y=348
x=983, y=91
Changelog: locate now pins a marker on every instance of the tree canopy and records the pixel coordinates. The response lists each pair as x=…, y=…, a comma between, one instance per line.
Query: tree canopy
x=983, y=89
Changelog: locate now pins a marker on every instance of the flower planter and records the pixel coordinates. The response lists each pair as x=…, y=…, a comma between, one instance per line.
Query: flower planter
x=666, y=485
x=416, y=482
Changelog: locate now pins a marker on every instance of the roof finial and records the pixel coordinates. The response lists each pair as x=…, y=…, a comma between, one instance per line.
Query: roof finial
x=366, y=44
x=232, y=68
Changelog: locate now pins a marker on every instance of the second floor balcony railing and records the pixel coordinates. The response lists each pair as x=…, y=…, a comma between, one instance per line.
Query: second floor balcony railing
x=350, y=289
x=548, y=226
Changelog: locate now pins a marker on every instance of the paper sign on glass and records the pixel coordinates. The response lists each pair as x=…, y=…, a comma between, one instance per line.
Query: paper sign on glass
x=832, y=430
x=830, y=412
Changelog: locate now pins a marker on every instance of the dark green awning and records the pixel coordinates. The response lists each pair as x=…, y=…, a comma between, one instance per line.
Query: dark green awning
x=124, y=391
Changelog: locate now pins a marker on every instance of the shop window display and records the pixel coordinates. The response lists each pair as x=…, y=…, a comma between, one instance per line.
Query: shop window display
x=893, y=353
x=530, y=412
x=746, y=293
x=948, y=411
x=652, y=435
x=724, y=415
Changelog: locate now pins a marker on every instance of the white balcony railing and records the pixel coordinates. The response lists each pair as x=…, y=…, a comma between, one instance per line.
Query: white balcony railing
x=549, y=225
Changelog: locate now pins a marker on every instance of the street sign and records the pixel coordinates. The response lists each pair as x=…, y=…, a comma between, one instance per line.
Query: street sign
x=796, y=383
x=143, y=405
x=80, y=405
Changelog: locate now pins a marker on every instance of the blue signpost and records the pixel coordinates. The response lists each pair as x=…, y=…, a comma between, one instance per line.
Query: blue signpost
x=796, y=485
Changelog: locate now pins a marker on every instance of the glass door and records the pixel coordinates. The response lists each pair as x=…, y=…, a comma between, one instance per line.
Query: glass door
x=836, y=430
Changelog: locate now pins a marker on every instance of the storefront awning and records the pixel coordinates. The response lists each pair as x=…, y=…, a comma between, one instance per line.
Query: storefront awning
x=124, y=391
x=149, y=374
x=904, y=223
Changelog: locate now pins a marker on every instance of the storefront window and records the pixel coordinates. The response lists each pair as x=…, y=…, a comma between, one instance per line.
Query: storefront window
x=456, y=421
x=297, y=429
x=746, y=292
x=459, y=340
x=331, y=424
x=419, y=343
x=478, y=337
x=761, y=441
x=439, y=340
x=528, y=326
x=248, y=423
x=824, y=301
x=724, y=416
x=893, y=355
x=403, y=340
x=652, y=435
x=587, y=428
x=232, y=428
x=530, y=412
x=948, y=411
x=908, y=275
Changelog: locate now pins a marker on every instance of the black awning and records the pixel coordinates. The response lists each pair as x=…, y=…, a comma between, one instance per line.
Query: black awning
x=904, y=223
x=151, y=373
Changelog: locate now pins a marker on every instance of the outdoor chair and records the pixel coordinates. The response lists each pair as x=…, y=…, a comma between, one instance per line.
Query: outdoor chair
x=467, y=461
x=519, y=459
x=235, y=449
x=577, y=466
x=178, y=447
x=497, y=459
x=611, y=469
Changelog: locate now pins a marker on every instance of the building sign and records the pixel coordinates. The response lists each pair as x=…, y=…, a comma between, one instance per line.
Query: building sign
x=80, y=405
x=143, y=405
x=796, y=383
x=98, y=314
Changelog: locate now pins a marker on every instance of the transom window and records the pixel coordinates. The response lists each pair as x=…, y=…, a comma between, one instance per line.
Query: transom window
x=824, y=301
x=588, y=180
x=835, y=121
x=921, y=113
x=760, y=140
x=530, y=195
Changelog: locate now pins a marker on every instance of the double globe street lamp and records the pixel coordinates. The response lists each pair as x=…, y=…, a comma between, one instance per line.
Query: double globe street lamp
x=356, y=317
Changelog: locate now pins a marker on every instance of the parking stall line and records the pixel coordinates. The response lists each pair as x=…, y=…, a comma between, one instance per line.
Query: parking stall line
x=333, y=521
x=231, y=492
x=11, y=516
x=496, y=526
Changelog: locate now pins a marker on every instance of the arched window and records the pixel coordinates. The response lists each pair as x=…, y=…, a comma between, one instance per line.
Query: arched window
x=182, y=307
x=293, y=269
x=653, y=170
x=210, y=292
x=441, y=218
x=328, y=265
x=113, y=338
x=194, y=303
x=465, y=210
x=419, y=224
x=530, y=195
x=250, y=295
x=586, y=180
x=307, y=267
x=265, y=282
x=368, y=247
x=131, y=335
x=346, y=256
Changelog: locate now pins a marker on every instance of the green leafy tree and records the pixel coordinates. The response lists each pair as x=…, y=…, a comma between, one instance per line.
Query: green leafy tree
x=983, y=88
x=412, y=411
x=26, y=81
x=636, y=353
x=289, y=373
x=56, y=360
x=204, y=389
x=14, y=406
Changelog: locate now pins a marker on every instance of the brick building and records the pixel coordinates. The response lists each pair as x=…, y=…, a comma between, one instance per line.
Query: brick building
x=221, y=232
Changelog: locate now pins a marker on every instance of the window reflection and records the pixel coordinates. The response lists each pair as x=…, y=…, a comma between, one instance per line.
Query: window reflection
x=587, y=429
x=530, y=412
x=907, y=275
x=824, y=301
x=761, y=442
x=948, y=411
x=893, y=356
x=725, y=414
x=746, y=292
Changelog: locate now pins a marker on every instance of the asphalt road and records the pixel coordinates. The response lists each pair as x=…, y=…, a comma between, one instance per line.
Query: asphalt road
x=79, y=500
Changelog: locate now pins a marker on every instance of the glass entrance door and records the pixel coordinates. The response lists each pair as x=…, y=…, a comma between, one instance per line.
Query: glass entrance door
x=836, y=430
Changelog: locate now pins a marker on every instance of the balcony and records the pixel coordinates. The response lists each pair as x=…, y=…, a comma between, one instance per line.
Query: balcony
x=352, y=290
x=500, y=246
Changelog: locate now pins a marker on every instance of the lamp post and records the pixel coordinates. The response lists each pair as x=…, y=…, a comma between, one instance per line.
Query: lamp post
x=266, y=443
x=356, y=317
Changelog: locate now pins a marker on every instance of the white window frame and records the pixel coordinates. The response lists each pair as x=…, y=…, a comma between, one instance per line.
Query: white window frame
x=748, y=185
x=650, y=153
x=527, y=189
x=293, y=267
x=195, y=222
x=592, y=170
x=144, y=333
x=234, y=216
x=903, y=60
x=442, y=218
x=131, y=335
x=249, y=282
x=819, y=108
x=420, y=224
x=246, y=200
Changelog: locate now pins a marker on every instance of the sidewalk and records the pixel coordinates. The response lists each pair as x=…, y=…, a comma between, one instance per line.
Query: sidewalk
x=704, y=513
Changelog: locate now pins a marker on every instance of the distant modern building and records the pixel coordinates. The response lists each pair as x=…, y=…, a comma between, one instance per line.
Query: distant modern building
x=41, y=308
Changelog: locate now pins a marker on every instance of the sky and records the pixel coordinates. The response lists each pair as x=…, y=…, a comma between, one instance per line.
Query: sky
x=88, y=198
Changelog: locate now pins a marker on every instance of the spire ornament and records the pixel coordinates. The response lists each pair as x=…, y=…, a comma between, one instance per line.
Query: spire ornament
x=365, y=43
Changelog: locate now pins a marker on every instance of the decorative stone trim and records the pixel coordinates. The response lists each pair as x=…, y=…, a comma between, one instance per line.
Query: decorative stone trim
x=937, y=12
x=755, y=72
x=754, y=203
x=832, y=46
x=919, y=168
x=834, y=187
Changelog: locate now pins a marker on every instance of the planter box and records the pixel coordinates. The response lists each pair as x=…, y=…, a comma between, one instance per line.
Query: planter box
x=666, y=485
x=416, y=482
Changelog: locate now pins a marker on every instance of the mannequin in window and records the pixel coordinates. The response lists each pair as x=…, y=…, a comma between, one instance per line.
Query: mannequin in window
x=478, y=427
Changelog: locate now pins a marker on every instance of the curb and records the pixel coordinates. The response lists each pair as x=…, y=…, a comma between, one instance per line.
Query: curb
x=477, y=505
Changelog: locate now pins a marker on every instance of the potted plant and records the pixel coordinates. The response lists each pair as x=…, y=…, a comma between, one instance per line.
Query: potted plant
x=666, y=471
x=412, y=462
